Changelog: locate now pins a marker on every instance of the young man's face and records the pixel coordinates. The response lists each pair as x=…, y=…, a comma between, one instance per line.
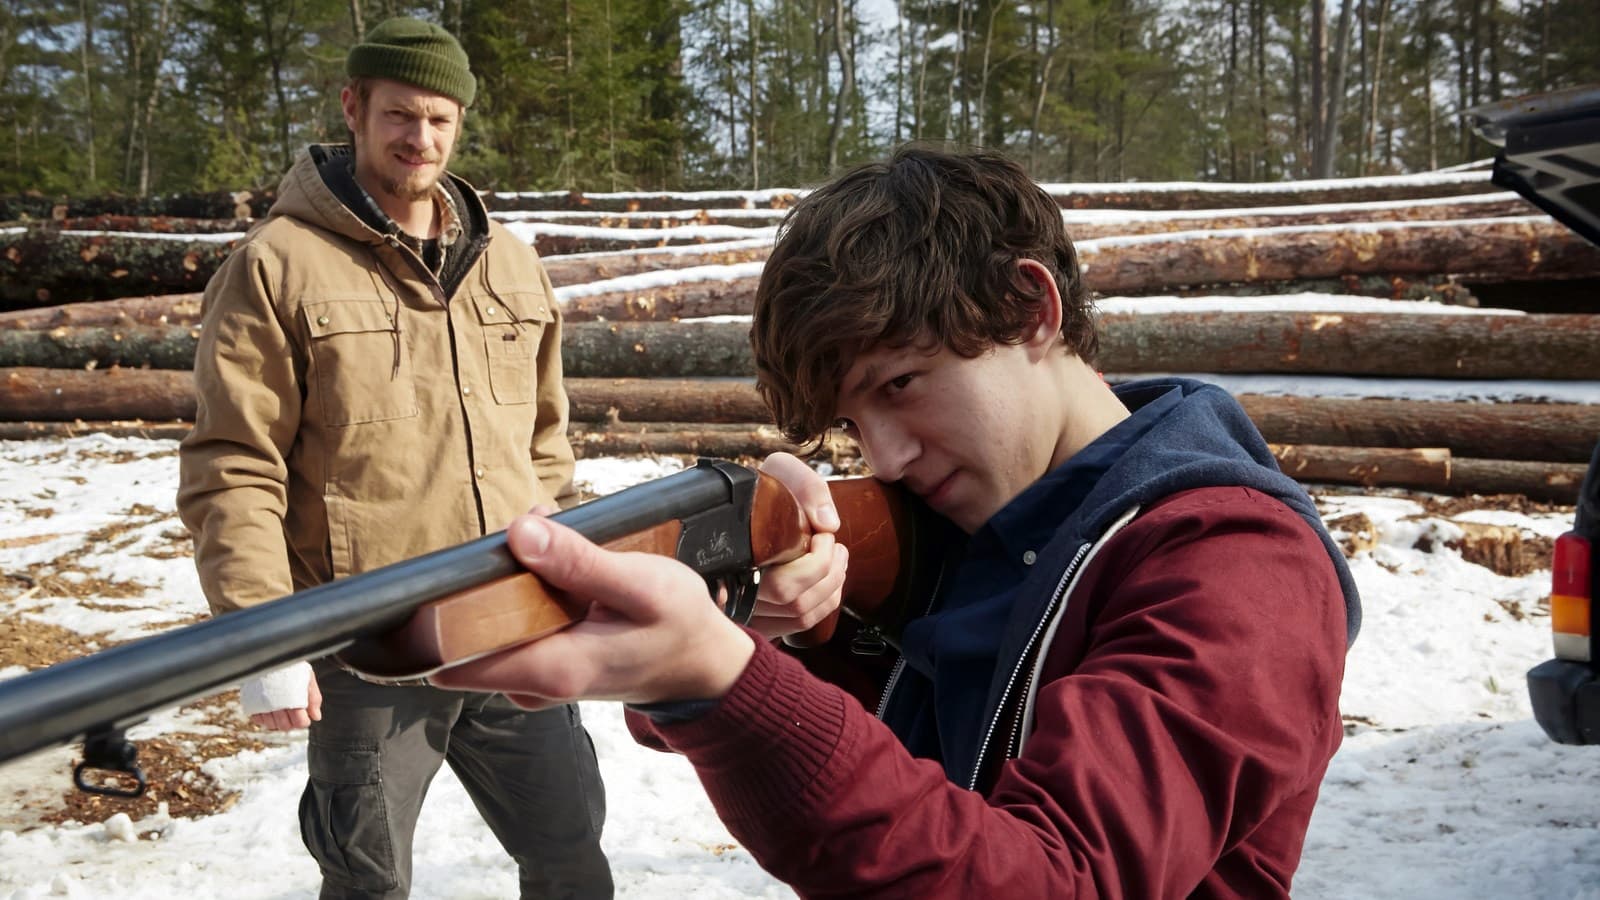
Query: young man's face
x=967, y=435
x=403, y=138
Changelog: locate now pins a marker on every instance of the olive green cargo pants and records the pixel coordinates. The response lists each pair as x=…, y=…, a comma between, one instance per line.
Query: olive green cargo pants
x=531, y=775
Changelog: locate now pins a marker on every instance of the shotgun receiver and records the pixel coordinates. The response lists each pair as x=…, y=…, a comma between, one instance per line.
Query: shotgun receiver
x=412, y=618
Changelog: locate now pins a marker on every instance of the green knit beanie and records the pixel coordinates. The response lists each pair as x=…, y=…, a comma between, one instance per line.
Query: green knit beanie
x=417, y=53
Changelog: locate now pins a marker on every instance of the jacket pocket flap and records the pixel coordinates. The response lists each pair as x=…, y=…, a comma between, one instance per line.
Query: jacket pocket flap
x=519, y=306
x=347, y=316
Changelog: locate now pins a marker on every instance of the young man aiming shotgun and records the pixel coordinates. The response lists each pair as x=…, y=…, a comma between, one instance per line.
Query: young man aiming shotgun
x=1126, y=682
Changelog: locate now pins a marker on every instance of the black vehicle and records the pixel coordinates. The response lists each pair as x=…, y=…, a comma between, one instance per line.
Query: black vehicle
x=1550, y=154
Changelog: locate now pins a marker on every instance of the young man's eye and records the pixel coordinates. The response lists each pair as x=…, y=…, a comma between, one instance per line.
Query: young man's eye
x=900, y=382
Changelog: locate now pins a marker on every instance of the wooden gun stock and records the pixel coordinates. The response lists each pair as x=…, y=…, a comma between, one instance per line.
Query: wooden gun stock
x=876, y=528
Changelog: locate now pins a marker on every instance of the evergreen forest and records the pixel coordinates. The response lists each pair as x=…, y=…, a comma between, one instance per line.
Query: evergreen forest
x=143, y=97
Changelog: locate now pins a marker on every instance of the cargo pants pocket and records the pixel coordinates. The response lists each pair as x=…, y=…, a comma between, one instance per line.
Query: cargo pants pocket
x=344, y=820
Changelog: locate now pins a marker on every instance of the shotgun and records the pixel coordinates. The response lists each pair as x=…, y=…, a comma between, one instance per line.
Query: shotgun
x=412, y=618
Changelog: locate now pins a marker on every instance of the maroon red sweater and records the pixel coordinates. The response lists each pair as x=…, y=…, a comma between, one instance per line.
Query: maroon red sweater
x=1185, y=714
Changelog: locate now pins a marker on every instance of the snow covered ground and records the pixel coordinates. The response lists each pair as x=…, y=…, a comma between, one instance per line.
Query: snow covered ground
x=1445, y=788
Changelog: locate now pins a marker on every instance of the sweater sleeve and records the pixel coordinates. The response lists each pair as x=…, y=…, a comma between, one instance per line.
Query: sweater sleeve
x=1188, y=708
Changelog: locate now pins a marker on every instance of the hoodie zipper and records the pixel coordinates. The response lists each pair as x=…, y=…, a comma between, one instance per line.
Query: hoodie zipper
x=900, y=664
x=1084, y=551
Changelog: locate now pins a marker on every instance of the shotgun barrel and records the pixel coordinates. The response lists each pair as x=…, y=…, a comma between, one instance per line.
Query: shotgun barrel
x=119, y=687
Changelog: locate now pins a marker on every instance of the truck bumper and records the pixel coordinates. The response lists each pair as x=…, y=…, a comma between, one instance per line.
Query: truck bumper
x=1566, y=701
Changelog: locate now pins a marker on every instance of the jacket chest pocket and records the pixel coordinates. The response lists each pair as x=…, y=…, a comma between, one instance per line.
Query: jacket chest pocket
x=513, y=326
x=360, y=369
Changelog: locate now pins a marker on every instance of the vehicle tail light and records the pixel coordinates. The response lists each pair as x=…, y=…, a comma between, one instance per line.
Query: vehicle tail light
x=1570, y=590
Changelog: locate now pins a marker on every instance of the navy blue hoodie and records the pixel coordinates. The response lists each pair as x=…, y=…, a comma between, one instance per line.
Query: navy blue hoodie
x=959, y=659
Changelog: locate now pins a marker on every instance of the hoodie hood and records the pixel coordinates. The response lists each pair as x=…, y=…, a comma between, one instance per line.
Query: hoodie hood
x=1183, y=435
x=1204, y=440
x=319, y=190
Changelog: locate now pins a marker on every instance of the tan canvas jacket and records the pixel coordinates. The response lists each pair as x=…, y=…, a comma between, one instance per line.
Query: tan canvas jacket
x=349, y=417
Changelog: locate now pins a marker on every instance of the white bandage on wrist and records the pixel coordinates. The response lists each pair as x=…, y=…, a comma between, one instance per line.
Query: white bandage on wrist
x=286, y=688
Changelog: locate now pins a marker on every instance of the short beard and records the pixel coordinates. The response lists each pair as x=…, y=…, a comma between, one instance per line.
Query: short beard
x=400, y=191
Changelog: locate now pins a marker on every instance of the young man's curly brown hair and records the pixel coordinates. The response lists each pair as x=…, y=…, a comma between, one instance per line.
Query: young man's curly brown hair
x=921, y=249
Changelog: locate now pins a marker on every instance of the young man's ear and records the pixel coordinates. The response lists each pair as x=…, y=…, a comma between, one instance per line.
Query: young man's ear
x=1046, y=330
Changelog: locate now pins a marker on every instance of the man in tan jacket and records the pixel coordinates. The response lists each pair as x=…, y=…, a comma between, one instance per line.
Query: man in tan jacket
x=379, y=376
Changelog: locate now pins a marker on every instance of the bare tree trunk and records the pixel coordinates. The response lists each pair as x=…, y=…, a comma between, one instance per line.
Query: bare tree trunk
x=983, y=81
x=135, y=41
x=1463, y=88
x=1335, y=105
x=730, y=78
x=1046, y=61
x=1377, y=81
x=1544, y=45
x=611, y=103
x=1427, y=84
x=355, y=19
x=1258, y=21
x=1298, y=140
x=154, y=96
x=1230, y=83
x=847, y=79
x=86, y=13
x=920, y=105
x=958, y=72
x=754, y=124
x=1319, y=101
x=899, y=67
x=1494, y=51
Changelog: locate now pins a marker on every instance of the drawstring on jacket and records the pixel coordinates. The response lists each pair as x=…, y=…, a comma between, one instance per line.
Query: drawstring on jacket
x=394, y=320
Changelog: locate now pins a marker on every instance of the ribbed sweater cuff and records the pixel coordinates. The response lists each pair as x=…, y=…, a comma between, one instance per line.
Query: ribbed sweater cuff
x=771, y=745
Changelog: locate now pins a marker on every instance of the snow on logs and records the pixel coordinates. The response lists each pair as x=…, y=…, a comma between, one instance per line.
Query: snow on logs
x=39, y=265
x=1489, y=250
x=642, y=382
x=1535, y=346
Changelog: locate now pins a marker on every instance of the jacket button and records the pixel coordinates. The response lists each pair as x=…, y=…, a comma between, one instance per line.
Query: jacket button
x=1028, y=557
x=478, y=472
x=489, y=311
x=466, y=392
x=322, y=320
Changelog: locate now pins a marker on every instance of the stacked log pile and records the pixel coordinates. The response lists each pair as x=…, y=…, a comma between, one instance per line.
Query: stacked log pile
x=101, y=317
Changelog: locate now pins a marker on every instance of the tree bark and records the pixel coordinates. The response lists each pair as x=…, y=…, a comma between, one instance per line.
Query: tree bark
x=704, y=401
x=1485, y=251
x=656, y=350
x=624, y=240
x=686, y=439
x=1433, y=470
x=1335, y=97
x=212, y=205
x=638, y=202
x=1288, y=194
x=684, y=300
x=63, y=395
x=1544, y=432
x=73, y=347
x=39, y=267
x=155, y=224
x=1095, y=226
x=1488, y=250
x=1553, y=347
x=1427, y=468
x=161, y=431
x=615, y=265
x=161, y=309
